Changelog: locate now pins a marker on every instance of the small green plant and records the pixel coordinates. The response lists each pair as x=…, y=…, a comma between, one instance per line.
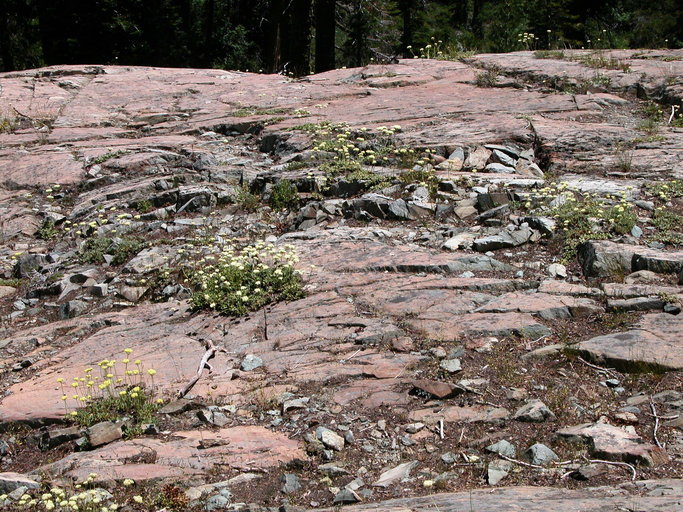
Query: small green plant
x=111, y=393
x=8, y=124
x=107, y=156
x=259, y=111
x=121, y=249
x=172, y=497
x=14, y=283
x=582, y=217
x=488, y=78
x=144, y=206
x=598, y=61
x=236, y=280
x=284, y=195
x=667, y=190
x=624, y=158
x=669, y=226
x=47, y=231
x=247, y=200
x=427, y=179
x=549, y=54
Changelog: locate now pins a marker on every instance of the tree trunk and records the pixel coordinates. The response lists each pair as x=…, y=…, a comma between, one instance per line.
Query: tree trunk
x=5, y=49
x=325, y=31
x=300, y=37
x=406, y=8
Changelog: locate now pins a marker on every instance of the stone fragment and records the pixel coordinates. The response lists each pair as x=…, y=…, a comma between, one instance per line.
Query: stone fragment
x=72, y=309
x=103, y=433
x=466, y=414
x=346, y=497
x=53, y=438
x=451, y=365
x=290, y=483
x=503, y=447
x=251, y=362
x=10, y=481
x=557, y=270
x=396, y=474
x=436, y=389
x=534, y=411
x=540, y=455
x=330, y=438
x=497, y=470
x=499, y=168
x=613, y=443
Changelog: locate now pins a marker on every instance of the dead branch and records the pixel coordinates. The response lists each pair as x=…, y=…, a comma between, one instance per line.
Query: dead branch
x=211, y=350
x=613, y=463
x=609, y=371
x=656, y=427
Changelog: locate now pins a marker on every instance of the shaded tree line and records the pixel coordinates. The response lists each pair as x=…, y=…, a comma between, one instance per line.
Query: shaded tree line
x=302, y=36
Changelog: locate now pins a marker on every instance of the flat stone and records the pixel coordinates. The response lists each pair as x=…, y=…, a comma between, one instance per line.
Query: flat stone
x=345, y=497
x=251, y=362
x=503, y=447
x=655, y=342
x=534, y=411
x=185, y=454
x=465, y=414
x=451, y=365
x=290, y=483
x=614, y=443
x=540, y=455
x=603, y=258
x=10, y=481
x=103, y=433
x=651, y=496
x=437, y=389
x=497, y=470
x=396, y=474
x=330, y=438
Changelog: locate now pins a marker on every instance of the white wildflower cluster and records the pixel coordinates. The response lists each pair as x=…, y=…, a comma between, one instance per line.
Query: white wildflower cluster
x=236, y=280
x=363, y=145
x=570, y=206
x=78, y=499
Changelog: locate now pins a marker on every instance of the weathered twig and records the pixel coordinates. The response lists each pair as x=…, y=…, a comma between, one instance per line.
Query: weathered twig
x=613, y=463
x=520, y=462
x=265, y=325
x=609, y=371
x=656, y=427
x=441, y=428
x=210, y=353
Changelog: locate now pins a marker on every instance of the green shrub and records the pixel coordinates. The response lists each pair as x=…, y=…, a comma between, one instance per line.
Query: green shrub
x=246, y=200
x=236, y=281
x=284, y=195
x=669, y=226
x=122, y=249
x=47, y=231
x=488, y=78
x=144, y=206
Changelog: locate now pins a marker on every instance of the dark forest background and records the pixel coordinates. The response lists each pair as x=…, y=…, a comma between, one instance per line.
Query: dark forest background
x=303, y=36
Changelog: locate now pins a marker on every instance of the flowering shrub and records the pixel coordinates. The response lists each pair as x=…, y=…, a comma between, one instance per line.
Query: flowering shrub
x=582, y=217
x=68, y=500
x=235, y=281
x=111, y=392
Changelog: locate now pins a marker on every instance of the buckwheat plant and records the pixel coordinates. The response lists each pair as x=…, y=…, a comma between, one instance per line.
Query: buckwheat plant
x=234, y=280
x=57, y=499
x=115, y=389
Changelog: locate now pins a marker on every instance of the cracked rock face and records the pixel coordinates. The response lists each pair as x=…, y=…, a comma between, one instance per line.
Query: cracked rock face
x=447, y=324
